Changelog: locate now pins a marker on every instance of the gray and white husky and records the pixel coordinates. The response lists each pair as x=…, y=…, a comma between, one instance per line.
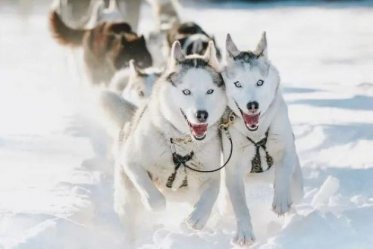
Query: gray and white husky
x=176, y=129
x=128, y=89
x=261, y=133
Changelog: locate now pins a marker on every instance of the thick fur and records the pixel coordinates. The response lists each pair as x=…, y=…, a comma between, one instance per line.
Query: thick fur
x=193, y=39
x=107, y=48
x=129, y=88
x=144, y=161
x=243, y=71
x=62, y=33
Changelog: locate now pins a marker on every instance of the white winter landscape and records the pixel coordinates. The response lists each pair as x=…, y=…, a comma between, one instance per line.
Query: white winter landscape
x=56, y=176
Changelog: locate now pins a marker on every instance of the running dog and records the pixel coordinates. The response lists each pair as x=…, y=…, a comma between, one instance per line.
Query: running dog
x=107, y=48
x=261, y=132
x=175, y=133
x=193, y=39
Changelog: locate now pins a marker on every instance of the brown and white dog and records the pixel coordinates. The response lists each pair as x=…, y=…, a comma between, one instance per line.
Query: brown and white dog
x=107, y=48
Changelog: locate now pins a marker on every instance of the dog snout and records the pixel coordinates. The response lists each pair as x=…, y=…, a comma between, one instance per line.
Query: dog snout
x=202, y=115
x=253, y=106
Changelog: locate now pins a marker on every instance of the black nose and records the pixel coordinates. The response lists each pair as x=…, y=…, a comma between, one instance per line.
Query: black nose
x=202, y=116
x=253, y=106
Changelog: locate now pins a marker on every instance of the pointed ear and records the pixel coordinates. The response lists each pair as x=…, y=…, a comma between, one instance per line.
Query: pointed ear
x=231, y=48
x=261, y=48
x=133, y=69
x=142, y=39
x=210, y=56
x=177, y=54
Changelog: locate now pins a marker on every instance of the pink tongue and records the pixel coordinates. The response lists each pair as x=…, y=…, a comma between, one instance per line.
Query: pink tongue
x=251, y=119
x=199, y=129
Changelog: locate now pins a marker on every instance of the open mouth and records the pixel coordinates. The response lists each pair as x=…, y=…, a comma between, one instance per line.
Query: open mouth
x=251, y=120
x=198, y=131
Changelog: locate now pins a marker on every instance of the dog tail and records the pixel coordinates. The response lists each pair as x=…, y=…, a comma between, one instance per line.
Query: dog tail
x=62, y=33
x=117, y=111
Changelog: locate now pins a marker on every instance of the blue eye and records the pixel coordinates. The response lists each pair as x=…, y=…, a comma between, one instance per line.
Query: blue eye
x=187, y=92
x=259, y=82
x=237, y=84
x=210, y=91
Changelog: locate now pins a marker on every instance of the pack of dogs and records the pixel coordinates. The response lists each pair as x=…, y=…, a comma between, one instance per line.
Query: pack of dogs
x=180, y=126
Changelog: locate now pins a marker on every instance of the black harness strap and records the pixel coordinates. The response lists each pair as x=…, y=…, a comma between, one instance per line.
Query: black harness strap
x=256, y=162
x=178, y=161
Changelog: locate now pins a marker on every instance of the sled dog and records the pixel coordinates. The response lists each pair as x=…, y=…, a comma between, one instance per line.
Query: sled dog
x=176, y=130
x=261, y=133
x=107, y=48
x=193, y=39
x=129, y=88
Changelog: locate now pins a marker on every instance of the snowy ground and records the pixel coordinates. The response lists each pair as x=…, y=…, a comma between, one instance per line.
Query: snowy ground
x=55, y=185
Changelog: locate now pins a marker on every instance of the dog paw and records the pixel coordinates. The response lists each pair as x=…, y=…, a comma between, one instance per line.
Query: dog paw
x=281, y=202
x=244, y=236
x=197, y=219
x=155, y=202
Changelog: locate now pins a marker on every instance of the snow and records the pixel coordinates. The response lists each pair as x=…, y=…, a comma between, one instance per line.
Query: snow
x=56, y=182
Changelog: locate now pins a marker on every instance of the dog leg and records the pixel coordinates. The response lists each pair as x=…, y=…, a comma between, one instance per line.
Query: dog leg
x=202, y=209
x=236, y=189
x=282, y=200
x=297, y=191
x=150, y=195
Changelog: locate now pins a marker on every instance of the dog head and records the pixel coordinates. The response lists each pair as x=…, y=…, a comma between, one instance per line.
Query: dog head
x=131, y=47
x=251, y=82
x=140, y=83
x=192, y=93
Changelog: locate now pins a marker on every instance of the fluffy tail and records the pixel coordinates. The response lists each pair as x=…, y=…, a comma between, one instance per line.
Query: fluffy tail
x=62, y=33
x=117, y=111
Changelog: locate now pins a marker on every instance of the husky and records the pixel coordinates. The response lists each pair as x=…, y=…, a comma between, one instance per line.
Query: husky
x=175, y=131
x=193, y=39
x=261, y=133
x=129, y=88
x=140, y=83
x=107, y=48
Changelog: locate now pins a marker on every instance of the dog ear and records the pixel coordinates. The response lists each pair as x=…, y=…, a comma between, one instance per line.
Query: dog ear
x=133, y=69
x=142, y=40
x=177, y=54
x=210, y=56
x=231, y=48
x=261, y=48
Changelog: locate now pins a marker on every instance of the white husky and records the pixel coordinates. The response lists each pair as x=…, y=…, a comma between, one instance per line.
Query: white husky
x=176, y=130
x=261, y=133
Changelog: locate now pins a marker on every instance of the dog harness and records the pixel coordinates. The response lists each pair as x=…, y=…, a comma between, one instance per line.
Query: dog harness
x=256, y=162
x=178, y=161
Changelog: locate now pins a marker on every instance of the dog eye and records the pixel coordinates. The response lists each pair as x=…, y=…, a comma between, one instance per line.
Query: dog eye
x=210, y=91
x=259, y=82
x=187, y=92
x=141, y=93
x=237, y=84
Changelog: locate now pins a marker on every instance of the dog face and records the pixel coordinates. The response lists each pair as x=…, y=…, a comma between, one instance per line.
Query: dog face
x=192, y=94
x=134, y=48
x=251, y=82
x=140, y=83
